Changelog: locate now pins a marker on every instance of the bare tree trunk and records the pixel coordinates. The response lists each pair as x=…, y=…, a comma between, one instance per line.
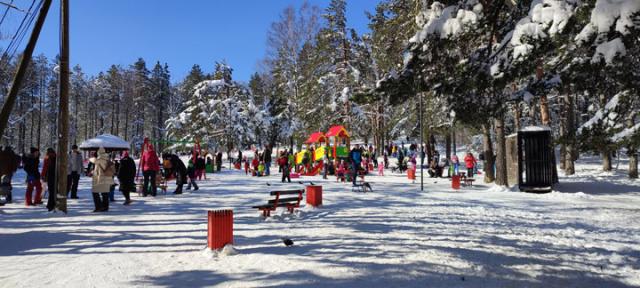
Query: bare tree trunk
x=633, y=162
x=545, y=117
x=447, y=140
x=606, y=160
x=633, y=154
x=501, y=155
x=488, y=154
x=40, y=100
x=32, y=126
x=517, y=116
x=20, y=125
x=563, y=136
x=126, y=122
x=569, y=168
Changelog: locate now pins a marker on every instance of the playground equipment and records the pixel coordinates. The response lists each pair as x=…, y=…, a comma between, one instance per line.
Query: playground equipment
x=318, y=153
x=322, y=141
x=341, y=142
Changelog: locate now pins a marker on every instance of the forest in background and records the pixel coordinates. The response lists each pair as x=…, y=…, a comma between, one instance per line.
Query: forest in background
x=481, y=67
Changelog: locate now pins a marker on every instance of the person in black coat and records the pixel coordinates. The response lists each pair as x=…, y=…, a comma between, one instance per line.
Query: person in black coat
x=267, y=160
x=191, y=172
x=126, y=176
x=200, y=167
x=177, y=167
x=49, y=174
x=218, y=161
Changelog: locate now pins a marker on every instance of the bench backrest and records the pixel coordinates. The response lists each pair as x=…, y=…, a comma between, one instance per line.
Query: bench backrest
x=286, y=200
x=287, y=192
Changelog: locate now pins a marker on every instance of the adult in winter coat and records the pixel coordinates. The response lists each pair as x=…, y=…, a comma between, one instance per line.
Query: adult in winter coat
x=191, y=172
x=470, y=162
x=200, y=167
x=49, y=176
x=355, y=156
x=74, y=168
x=267, y=160
x=219, y=161
x=9, y=163
x=103, y=172
x=150, y=167
x=30, y=165
x=126, y=177
x=177, y=167
x=283, y=162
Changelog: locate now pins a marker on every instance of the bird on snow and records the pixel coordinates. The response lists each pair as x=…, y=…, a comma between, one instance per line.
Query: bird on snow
x=287, y=242
x=268, y=184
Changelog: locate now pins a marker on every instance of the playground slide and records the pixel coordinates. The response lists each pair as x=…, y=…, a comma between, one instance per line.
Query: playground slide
x=315, y=171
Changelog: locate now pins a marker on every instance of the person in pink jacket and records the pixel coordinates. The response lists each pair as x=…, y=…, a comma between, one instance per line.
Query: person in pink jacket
x=150, y=167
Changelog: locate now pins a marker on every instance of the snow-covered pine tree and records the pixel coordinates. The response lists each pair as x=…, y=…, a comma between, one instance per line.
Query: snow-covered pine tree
x=611, y=39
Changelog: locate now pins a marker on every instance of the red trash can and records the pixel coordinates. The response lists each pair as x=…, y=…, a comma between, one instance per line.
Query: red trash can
x=455, y=182
x=411, y=174
x=219, y=228
x=314, y=195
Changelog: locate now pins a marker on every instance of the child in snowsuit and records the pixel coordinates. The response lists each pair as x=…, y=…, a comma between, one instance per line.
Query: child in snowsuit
x=261, y=169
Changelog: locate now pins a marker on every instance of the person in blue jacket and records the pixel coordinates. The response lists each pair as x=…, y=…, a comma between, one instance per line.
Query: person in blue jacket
x=355, y=156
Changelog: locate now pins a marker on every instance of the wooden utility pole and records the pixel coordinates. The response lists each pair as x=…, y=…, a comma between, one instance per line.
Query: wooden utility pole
x=63, y=115
x=22, y=67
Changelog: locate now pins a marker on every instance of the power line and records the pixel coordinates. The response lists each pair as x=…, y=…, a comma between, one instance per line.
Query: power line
x=9, y=6
x=20, y=28
x=25, y=30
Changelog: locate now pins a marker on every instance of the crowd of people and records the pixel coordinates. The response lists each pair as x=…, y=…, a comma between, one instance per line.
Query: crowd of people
x=104, y=169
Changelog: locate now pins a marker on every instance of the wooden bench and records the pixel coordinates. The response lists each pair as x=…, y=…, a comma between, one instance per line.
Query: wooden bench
x=468, y=181
x=289, y=202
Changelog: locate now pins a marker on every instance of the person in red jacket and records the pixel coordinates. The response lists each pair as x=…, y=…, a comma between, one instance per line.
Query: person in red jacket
x=470, y=162
x=150, y=167
x=30, y=166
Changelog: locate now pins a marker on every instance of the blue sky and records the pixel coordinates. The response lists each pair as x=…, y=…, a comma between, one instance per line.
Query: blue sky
x=180, y=33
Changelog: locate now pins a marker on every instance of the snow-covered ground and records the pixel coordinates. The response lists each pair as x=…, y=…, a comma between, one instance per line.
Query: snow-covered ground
x=587, y=235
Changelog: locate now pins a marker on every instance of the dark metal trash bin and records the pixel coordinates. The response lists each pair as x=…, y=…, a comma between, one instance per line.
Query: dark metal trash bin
x=535, y=161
